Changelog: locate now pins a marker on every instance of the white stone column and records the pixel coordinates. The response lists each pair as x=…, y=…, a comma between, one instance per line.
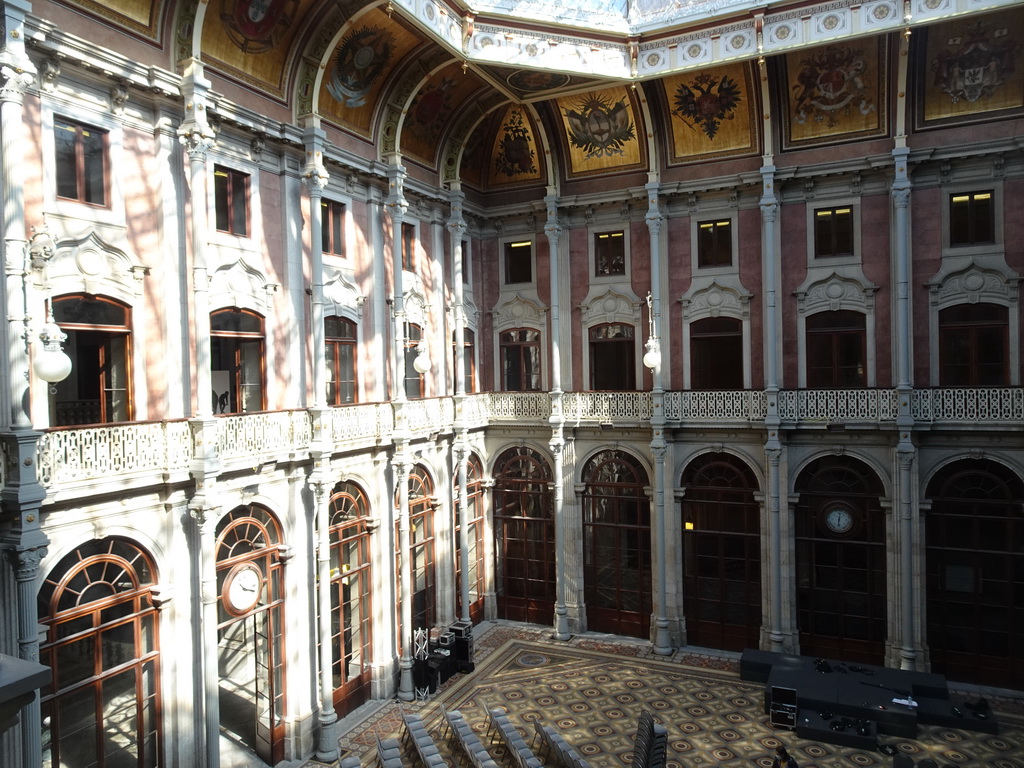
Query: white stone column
x=205, y=518
x=327, y=745
x=773, y=445
x=553, y=231
x=315, y=177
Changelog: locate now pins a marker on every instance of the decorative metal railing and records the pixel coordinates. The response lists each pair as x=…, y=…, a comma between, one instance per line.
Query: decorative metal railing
x=90, y=453
x=519, y=406
x=605, y=407
x=251, y=435
x=989, y=405
x=74, y=460
x=838, y=405
x=716, y=406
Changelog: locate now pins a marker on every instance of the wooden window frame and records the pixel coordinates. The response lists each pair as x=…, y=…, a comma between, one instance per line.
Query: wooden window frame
x=231, y=200
x=82, y=161
x=332, y=227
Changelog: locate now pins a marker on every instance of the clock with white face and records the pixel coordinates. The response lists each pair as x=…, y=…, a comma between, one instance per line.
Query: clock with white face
x=839, y=520
x=242, y=587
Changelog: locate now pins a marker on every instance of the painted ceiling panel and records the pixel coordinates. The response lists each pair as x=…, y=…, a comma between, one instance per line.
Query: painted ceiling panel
x=602, y=132
x=431, y=110
x=139, y=16
x=714, y=113
x=252, y=40
x=361, y=64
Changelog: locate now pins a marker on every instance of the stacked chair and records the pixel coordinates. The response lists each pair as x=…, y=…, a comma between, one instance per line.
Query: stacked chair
x=459, y=730
x=389, y=753
x=417, y=737
x=517, y=751
x=551, y=744
x=651, y=743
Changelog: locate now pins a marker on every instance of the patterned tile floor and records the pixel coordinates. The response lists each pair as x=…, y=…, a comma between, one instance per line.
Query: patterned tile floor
x=593, y=687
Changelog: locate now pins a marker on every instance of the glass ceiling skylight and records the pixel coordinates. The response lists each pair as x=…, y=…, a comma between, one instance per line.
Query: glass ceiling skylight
x=622, y=16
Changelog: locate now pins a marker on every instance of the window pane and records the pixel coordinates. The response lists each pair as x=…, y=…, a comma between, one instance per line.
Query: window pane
x=65, y=137
x=518, y=266
x=95, y=178
x=251, y=374
x=220, y=196
x=239, y=204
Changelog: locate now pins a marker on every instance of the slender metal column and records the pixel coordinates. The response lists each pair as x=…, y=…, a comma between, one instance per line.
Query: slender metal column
x=773, y=446
x=327, y=745
x=553, y=231
x=205, y=525
x=315, y=177
x=659, y=448
x=397, y=206
x=457, y=229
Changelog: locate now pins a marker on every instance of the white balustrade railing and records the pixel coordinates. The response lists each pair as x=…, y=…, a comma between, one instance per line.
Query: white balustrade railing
x=76, y=455
x=256, y=434
x=434, y=415
x=352, y=423
x=988, y=404
x=519, y=406
x=838, y=405
x=607, y=406
x=81, y=456
x=717, y=405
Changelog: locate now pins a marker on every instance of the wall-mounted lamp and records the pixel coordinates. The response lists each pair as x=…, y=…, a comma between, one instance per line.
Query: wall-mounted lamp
x=421, y=363
x=652, y=357
x=49, y=362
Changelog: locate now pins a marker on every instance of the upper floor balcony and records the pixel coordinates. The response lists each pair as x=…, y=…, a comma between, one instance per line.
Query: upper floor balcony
x=80, y=461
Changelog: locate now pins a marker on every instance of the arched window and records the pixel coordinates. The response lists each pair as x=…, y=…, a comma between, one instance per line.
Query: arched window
x=351, y=603
x=421, y=552
x=102, y=643
x=612, y=357
x=237, y=360
x=251, y=629
x=836, y=350
x=617, y=545
x=974, y=563
x=974, y=346
x=475, y=554
x=524, y=537
x=98, y=390
x=340, y=338
x=840, y=561
x=721, y=553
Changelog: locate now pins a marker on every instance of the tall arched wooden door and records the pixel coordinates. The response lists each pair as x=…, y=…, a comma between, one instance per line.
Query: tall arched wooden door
x=524, y=537
x=617, y=545
x=974, y=561
x=840, y=561
x=250, y=633
x=421, y=554
x=351, y=597
x=475, y=539
x=102, y=642
x=721, y=553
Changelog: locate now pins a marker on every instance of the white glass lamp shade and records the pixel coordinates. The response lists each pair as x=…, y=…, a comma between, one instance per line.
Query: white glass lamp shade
x=51, y=363
x=652, y=357
x=422, y=361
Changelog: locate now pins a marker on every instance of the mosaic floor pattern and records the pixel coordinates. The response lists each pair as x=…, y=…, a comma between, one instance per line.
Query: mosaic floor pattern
x=593, y=690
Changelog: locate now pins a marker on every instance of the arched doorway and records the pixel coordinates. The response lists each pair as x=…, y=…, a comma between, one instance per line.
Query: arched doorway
x=974, y=559
x=421, y=554
x=524, y=537
x=250, y=630
x=102, y=643
x=351, y=597
x=475, y=554
x=840, y=561
x=721, y=553
x=617, y=545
